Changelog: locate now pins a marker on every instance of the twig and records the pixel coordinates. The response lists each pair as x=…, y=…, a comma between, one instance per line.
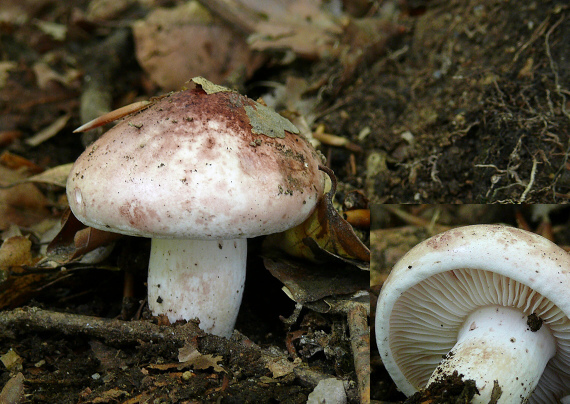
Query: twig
x=108, y=330
x=360, y=343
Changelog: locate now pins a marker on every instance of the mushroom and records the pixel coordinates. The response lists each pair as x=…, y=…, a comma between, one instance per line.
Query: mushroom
x=493, y=301
x=198, y=171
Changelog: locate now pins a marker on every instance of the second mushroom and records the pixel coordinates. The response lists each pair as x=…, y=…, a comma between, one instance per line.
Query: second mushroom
x=198, y=171
x=491, y=300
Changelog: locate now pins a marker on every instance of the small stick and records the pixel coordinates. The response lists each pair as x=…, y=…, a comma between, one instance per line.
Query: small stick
x=113, y=116
x=108, y=330
x=360, y=343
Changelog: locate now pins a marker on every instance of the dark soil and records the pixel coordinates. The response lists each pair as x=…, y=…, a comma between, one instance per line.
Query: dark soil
x=471, y=106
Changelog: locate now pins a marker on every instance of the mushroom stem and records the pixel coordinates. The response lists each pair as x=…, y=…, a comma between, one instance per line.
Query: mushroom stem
x=496, y=347
x=201, y=279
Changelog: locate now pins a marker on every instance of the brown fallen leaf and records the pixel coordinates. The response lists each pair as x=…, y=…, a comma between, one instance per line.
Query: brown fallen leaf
x=17, y=285
x=15, y=162
x=45, y=75
x=185, y=41
x=54, y=176
x=108, y=357
x=48, y=132
x=75, y=239
x=101, y=10
x=326, y=230
x=22, y=205
x=12, y=361
x=17, y=282
x=9, y=136
x=13, y=390
x=189, y=355
x=312, y=282
x=15, y=251
x=301, y=26
x=109, y=396
x=342, y=303
x=20, y=286
x=282, y=366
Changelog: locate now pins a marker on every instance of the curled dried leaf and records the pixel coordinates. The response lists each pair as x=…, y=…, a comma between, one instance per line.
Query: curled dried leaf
x=324, y=230
x=75, y=239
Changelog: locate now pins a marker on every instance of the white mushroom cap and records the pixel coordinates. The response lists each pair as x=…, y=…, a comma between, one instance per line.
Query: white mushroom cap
x=198, y=166
x=433, y=289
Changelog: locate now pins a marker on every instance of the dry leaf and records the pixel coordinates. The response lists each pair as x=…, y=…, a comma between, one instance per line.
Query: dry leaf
x=55, y=30
x=11, y=360
x=20, y=11
x=23, y=205
x=107, y=9
x=108, y=357
x=17, y=284
x=189, y=356
x=307, y=41
x=45, y=75
x=17, y=290
x=325, y=229
x=49, y=131
x=342, y=304
x=309, y=283
x=15, y=162
x=282, y=366
x=301, y=26
x=13, y=391
x=110, y=396
x=15, y=251
x=9, y=136
x=166, y=37
x=75, y=239
x=54, y=176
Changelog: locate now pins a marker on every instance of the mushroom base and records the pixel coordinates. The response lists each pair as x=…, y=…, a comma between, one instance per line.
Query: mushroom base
x=198, y=279
x=498, y=350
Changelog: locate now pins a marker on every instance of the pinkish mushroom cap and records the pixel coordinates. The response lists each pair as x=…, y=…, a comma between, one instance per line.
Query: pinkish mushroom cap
x=488, y=301
x=197, y=165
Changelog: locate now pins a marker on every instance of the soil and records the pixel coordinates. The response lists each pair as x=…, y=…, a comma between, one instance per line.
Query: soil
x=471, y=106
